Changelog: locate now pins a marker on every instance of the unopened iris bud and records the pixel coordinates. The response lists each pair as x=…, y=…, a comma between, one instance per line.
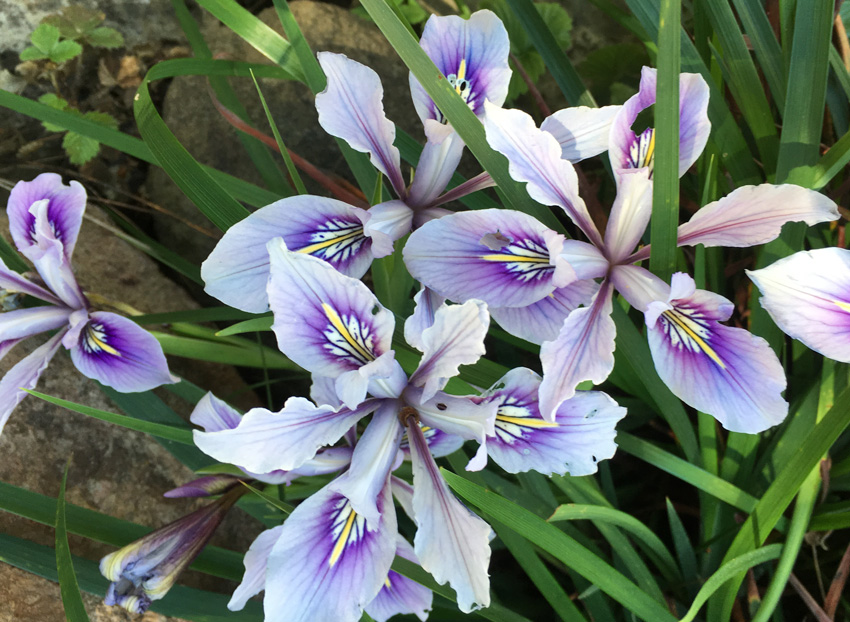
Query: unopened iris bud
x=144, y=570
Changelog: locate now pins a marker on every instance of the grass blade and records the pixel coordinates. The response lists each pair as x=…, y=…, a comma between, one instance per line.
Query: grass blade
x=72, y=601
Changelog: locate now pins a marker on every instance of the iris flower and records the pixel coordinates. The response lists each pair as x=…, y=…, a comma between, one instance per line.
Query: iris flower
x=44, y=219
x=534, y=279
x=473, y=55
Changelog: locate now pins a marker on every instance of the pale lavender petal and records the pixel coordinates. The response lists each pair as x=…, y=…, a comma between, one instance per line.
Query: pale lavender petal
x=403, y=493
x=437, y=164
x=439, y=443
x=326, y=564
x=386, y=223
x=371, y=463
x=639, y=286
x=256, y=560
x=237, y=270
x=323, y=391
x=51, y=261
x=627, y=150
x=12, y=282
x=629, y=214
x=351, y=108
x=582, y=434
x=535, y=156
x=503, y=257
x=456, y=338
x=66, y=205
x=754, y=215
x=723, y=371
x=329, y=460
x=22, y=323
x=382, y=377
x=584, y=350
x=474, y=184
x=542, y=320
x=427, y=302
x=587, y=261
x=472, y=54
x=462, y=416
x=121, y=354
x=451, y=542
x=401, y=595
x=24, y=376
x=265, y=441
x=808, y=296
x=6, y=346
x=213, y=414
x=324, y=321
x=581, y=131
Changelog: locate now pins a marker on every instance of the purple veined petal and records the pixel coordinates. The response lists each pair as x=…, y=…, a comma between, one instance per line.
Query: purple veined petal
x=371, y=463
x=629, y=214
x=503, y=257
x=456, y=338
x=582, y=434
x=581, y=131
x=265, y=441
x=121, y=354
x=466, y=417
x=51, y=262
x=326, y=564
x=587, y=261
x=256, y=561
x=386, y=223
x=534, y=156
x=584, y=350
x=628, y=151
x=542, y=320
x=324, y=321
x=472, y=54
x=473, y=184
x=237, y=270
x=213, y=414
x=808, y=296
x=25, y=375
x=639, y=286
x=437, y=164
x=22, y=323
x=439, y=443
x=754, y=215
x=427, y=302
x=723, y=371
x=12, y=282
x=401, y=595
x=351, y=108
x=65, y=208
x=451, y=542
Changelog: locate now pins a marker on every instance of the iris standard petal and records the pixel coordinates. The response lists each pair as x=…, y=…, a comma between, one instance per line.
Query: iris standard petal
x=265, y=441
x=754, y=215
x=451, y=542
x=385, y=223
x=584, y=350
x=65, y=208
x=326, y=564
x=121, y=354
x=437, y=164
x=581, y=131
x=11, y=282
x=213, y=414
x=25, y=375
x=456, y=338
x=401, y=595
x=324, y=321
x=503, y=257
x=582, y=434
x=351, y=107
x=629, y=214
x=534, y=156
x=237, y=270
x=22, y=323
x=256, y=560
x=808, y=296
x=427, y=302
x=472, y=54
x=723, y=371
x=542, y=321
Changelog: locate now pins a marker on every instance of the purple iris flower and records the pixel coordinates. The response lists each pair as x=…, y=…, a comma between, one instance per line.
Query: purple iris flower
x=44, y=219
x=473, y=55
x=535, y=280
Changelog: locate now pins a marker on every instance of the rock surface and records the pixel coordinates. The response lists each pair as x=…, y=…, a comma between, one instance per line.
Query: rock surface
x=114, y=471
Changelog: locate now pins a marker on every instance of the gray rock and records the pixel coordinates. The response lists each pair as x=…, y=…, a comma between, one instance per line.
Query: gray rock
x=187, y=110
x=113, y=470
